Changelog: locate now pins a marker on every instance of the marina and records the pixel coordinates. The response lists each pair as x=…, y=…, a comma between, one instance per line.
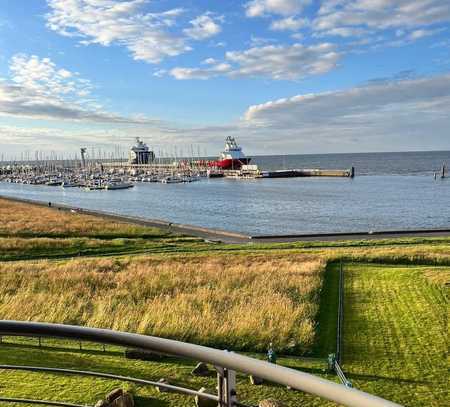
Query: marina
x=142, y=165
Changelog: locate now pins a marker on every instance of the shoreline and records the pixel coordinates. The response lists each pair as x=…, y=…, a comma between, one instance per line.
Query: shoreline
x=230, y=237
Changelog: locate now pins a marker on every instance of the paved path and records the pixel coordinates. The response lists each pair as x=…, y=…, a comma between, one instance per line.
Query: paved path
x=352, y=236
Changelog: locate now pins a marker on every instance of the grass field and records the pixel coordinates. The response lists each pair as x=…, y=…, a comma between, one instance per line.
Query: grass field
x=396, y=332
x=25, y=220
x=230, y=302
x=72, y=268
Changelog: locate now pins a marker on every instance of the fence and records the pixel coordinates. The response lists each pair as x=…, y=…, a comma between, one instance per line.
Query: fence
x=226, y=363
x=334, y=362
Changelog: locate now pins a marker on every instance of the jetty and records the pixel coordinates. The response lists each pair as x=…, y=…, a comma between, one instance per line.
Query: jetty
x=252, y=171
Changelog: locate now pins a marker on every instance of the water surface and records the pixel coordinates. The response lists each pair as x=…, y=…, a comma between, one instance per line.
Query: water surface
x=392, y=191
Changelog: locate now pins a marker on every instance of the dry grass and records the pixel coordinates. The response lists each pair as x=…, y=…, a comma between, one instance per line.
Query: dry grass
x=16, y=245
x=439, y=276
x=21, y=219
x=233, y=302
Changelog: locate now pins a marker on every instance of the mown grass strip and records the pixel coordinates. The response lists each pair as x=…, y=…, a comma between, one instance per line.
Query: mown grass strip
x=395, y=333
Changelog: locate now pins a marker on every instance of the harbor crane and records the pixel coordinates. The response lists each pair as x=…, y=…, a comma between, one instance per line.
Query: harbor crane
x=83, y=156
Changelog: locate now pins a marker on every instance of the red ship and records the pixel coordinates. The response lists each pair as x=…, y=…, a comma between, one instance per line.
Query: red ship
x=232, y=158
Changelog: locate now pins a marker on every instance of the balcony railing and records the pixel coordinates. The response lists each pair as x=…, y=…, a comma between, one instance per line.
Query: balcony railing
x=226, y=363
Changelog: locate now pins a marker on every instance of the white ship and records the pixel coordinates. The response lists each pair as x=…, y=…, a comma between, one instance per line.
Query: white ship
x=232, y=157
x=140, y=153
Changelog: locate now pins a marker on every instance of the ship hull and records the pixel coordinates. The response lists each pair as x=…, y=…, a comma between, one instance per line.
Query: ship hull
x=231, y=164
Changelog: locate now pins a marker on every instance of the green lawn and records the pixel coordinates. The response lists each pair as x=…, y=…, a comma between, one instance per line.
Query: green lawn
x=87, y=390
x=395, y=330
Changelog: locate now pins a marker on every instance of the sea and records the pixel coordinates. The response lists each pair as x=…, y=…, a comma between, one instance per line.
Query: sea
x=391, y=191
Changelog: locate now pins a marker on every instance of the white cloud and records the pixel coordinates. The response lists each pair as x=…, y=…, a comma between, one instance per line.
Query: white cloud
x=257, y=8
x=344, y=32
x=39, y=89
x=204, y=26
x=404, y=37
x=297, y=36
x=289, y=24
x=160, y=73
x=392, y=112
x=284, y=62
x=43, y=77
x=389, y=115
x=381, y=14
x=108, y=22
x=272, y=61
x=26, y=140
x=421, y=33
x=200, y=73
x=220, y=44
x=260, y=41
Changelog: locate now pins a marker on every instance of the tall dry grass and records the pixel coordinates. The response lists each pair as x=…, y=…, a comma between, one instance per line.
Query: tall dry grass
x=231, y=302
x=25, y=219
x=21, y=245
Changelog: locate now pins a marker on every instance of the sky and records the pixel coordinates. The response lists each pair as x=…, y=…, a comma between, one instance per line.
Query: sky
x=282, y=76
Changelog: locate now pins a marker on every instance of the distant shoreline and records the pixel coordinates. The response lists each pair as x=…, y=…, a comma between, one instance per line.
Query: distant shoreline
x=235, y=237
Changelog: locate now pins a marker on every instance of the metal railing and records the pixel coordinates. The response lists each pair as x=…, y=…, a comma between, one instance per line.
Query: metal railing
x=226, y=363
x=40, y=402
x=340, y=314
x=341, y=375
x=166, y=386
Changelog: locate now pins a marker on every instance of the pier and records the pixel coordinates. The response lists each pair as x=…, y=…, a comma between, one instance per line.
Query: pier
x=252, y=171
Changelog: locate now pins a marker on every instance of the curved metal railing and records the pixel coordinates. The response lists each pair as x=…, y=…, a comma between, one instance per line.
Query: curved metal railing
x=40, y=402
x=166, y=386
x=225, y=362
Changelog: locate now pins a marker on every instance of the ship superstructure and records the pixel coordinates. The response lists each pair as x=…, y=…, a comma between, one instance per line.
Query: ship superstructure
x=140, y=153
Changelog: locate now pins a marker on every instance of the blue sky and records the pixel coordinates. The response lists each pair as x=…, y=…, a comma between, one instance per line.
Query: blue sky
x=284, y=76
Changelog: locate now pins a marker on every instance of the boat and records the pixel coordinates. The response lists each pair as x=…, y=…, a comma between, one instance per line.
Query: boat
x=214, y=174
x=118, y=185
x=69, y=184
x=94, y=186
x=191, y=178
x=232, y=158
x=54, y=183
x=172, y=180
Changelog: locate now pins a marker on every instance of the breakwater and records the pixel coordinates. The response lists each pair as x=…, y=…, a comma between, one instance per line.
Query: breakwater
x=348, y=173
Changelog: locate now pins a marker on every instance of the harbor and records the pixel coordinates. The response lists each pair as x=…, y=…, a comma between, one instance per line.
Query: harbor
x=382, y=198
x=142, y=165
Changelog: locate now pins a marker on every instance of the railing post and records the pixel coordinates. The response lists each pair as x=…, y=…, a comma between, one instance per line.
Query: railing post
x=226, y=387
x=340, y=316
